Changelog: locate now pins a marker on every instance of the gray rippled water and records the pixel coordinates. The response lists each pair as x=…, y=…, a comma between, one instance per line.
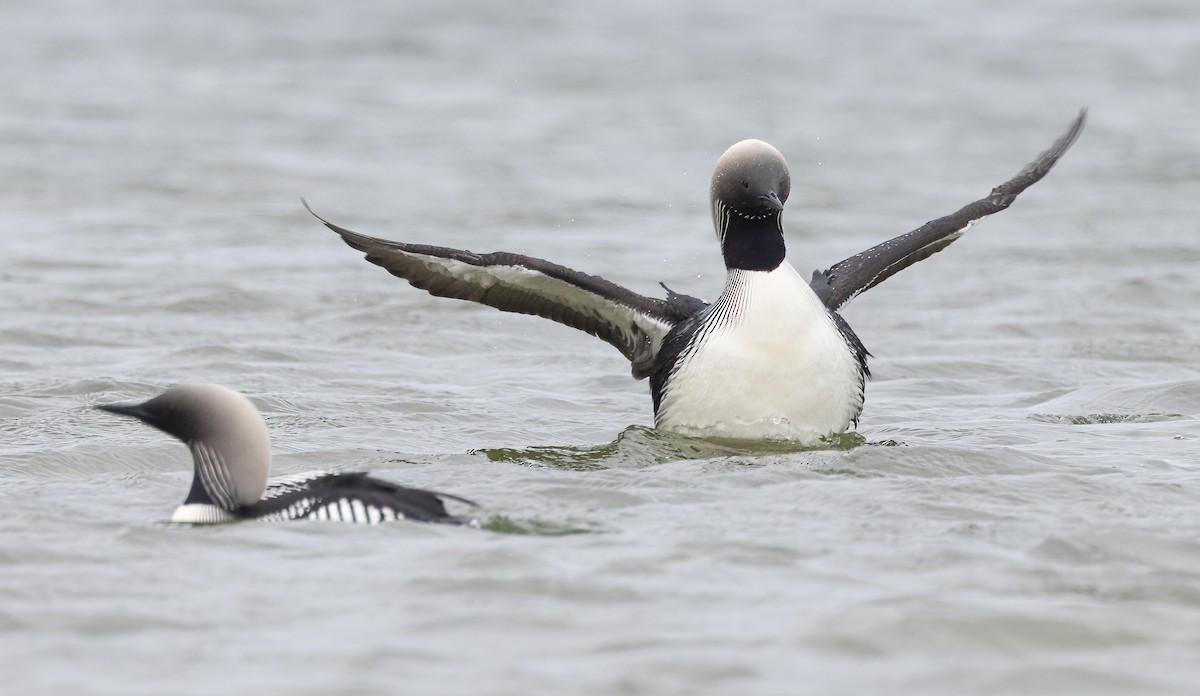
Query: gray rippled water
x=1017, y=512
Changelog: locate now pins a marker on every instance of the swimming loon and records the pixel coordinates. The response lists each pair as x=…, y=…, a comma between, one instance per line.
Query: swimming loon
x=231, y=457
x=771, y=358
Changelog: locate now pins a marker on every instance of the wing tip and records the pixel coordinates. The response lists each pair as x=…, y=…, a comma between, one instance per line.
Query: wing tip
x=1073, y=132
x=1050, y=157
x=1004, y=194
x=313, y=213
x=358, y=241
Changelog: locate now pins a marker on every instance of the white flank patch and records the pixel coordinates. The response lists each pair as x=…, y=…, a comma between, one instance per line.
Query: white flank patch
x=776, y=368
x=197, y=513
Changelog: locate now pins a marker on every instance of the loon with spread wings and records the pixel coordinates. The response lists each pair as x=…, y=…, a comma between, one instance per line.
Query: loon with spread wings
x=769, y=359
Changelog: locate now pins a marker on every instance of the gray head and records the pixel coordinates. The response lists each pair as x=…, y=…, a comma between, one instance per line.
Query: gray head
x=231, y=451
x=751, y=180
x=749, y=187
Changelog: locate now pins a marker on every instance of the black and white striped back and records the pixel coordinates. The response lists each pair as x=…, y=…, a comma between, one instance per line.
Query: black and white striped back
x=348, y=497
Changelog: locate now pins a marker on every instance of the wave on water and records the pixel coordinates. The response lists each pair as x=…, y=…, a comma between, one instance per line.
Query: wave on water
x=640, y=446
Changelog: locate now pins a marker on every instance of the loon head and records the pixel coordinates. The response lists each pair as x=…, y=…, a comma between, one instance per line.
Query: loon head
x=231, y=451
x=749, y=187
x=751, y=180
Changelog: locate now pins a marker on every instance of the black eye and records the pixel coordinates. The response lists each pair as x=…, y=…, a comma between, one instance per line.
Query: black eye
x=746, y=184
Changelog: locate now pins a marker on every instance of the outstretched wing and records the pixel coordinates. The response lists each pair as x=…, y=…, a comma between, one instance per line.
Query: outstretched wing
x=633, y=323
x=846, y=279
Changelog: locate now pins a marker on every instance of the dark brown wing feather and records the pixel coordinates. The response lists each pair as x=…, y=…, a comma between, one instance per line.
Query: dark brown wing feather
x=846, y=279
x=633, y=323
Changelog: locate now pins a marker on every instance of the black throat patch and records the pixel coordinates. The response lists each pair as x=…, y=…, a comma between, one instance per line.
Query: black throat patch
x=753, y=244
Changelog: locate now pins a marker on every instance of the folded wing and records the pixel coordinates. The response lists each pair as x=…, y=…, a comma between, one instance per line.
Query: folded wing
x=845, y=280
x=349, y=497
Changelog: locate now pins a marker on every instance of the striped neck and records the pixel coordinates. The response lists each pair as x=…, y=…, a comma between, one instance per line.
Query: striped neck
x=221, y=480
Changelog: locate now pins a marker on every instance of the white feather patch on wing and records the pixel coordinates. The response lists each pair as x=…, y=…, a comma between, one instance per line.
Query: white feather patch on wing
x=543, y=290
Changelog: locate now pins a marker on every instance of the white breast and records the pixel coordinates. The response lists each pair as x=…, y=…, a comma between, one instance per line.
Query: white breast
x=769, y=363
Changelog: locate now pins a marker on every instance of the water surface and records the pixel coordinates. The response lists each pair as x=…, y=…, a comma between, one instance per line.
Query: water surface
x=1018, y=510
